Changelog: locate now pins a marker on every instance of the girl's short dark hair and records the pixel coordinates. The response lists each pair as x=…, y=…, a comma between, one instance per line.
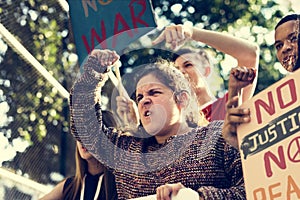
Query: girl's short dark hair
x=287, y=18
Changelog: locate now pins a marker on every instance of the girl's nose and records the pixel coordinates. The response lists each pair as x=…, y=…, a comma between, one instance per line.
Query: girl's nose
x=288, y=46
x=145, y=101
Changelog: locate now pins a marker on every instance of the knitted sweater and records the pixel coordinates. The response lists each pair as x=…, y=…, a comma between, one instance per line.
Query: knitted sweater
x=200, y=159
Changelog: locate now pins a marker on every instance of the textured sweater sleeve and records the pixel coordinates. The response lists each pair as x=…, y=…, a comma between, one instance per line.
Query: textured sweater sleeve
x=85, y=113
x=84, y=96
x=234, y=174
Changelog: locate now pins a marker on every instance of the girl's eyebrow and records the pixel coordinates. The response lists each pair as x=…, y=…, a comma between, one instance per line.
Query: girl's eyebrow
x=291, y=34
x=151, y=89
x=156, y=88
x=276, y=42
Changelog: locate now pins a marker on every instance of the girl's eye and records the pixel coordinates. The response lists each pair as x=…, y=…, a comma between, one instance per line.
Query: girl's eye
x=278, y=46
x=150, y=93
x=188, y=65
x=294, y=39
x=138, y=99
x=154, y=92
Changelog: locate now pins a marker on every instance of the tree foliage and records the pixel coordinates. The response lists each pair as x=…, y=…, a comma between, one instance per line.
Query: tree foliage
x=39, y=112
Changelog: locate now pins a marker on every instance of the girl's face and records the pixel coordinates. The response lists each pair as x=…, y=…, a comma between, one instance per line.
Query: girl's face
x=286, y=44
x=84, y=154
x=191, y=65
x=158, y=110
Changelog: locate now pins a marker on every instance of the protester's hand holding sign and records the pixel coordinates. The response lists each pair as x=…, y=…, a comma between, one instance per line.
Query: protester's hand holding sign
x=128, y=112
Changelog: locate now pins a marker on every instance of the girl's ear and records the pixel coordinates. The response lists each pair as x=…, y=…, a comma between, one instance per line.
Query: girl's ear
x=207, y=71
x=182, y=99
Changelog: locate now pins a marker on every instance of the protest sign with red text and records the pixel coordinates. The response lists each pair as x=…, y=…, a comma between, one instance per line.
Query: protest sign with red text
x=109, y=24
x=270, y=143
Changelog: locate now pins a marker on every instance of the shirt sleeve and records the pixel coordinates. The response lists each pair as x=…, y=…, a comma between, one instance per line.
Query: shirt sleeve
x=216, y=110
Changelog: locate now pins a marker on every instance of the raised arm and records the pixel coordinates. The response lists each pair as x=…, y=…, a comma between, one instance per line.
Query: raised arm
x=246, y=53
x=238, y=79
x=85, y=99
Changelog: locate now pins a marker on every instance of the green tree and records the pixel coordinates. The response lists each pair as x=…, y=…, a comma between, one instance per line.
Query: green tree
x=39, y=112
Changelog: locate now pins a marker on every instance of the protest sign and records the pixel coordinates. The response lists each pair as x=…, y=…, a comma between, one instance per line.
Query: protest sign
x=109, y=24
x=270, y=143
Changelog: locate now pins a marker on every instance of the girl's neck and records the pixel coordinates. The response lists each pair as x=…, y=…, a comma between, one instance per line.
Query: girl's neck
x=181, y=129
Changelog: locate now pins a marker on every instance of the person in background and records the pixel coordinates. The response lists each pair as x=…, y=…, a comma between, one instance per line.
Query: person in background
x=196, y=64
x=178, y=150
x=92, y=180
x=287, y=48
